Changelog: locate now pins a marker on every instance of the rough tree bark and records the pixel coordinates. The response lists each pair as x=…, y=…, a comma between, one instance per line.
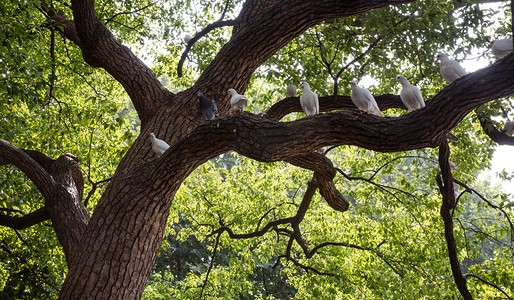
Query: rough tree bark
x=110, y=254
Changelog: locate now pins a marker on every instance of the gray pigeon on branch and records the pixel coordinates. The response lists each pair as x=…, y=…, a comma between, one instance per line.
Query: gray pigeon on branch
x=208, y=107
x=363, y=99
x=158, y=146
x=501, y=48
x=308, y=100
x=410, y=94
x=450, y=69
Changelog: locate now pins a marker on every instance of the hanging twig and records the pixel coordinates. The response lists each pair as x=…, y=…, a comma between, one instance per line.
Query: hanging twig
x=211, y=264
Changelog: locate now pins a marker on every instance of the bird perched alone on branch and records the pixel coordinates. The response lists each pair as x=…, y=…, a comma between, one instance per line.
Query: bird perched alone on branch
x=410, y=94
x=158, y=146
x=450, y=69
x=308, y=100
x=363, y=99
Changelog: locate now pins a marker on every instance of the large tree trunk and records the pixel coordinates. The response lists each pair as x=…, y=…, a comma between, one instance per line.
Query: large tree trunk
x=113, y=252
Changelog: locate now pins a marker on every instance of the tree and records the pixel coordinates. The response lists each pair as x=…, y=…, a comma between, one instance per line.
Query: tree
x=110, y=253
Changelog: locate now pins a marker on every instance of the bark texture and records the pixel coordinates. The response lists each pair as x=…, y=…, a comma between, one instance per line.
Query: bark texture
x=111, y=253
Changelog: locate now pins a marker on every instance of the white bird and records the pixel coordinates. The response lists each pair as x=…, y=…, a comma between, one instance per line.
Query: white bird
x=363, y=99
x=450, y=69
x=187, y=38
x=237, y=102
x=410, y=94
x=508, y=128
x=501, y=48
x=308, y=100
x=158, y=146
x=291, y=89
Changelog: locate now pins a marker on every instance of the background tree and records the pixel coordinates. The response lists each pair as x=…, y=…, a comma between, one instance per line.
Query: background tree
x=110, y=253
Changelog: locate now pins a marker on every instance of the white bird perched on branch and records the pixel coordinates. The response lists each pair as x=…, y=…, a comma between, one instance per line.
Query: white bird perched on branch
x=501, y=48
x=363, y=99
x=158, y=146
x=308, y=100
x=450, y=69
x=291, y=89
x=508, y=128
x=238, y=102
x=410, y=94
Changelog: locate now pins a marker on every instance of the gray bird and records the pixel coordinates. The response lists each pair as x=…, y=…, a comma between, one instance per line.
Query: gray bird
x=308, y=100
x=410, y=94
x=208, y=107
x=291, y=89
x=501, y=48
x=158, y=146
x=508, y=128
x=450, y=69
x=363, y=99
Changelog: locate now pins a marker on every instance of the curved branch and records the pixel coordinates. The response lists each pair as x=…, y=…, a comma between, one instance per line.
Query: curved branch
x=25, y=221
x=34, y=171
x=199, y=35
x=101, y=49
x=494, y=134
x=489, y=284
x=128, y=12
x=61, y=183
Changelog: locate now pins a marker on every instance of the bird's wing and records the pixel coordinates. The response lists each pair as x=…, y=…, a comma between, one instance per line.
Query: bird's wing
x=308, y=103
x=238, y=101
x=406, y=97
x=503, y=45
x=359, y=99
x=458, y=69
x=419, y=98
x=372, y=104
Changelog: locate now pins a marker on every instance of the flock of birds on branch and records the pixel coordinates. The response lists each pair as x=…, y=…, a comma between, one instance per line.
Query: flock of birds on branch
x=410, y=95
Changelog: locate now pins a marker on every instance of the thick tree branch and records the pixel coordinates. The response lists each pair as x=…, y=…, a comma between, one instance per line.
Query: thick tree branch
x=35, y=172
x=256, y=37
x=61, y=184
x=101, y=49
x=327, y=104
x=267, y=141
x=25, y=221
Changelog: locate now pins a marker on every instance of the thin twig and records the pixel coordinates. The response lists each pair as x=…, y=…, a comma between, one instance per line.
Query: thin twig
x=488, y=283
x=211, y=263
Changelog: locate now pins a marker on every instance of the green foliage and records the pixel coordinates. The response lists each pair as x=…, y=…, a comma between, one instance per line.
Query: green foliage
x=53, y=102
x=50, y=101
